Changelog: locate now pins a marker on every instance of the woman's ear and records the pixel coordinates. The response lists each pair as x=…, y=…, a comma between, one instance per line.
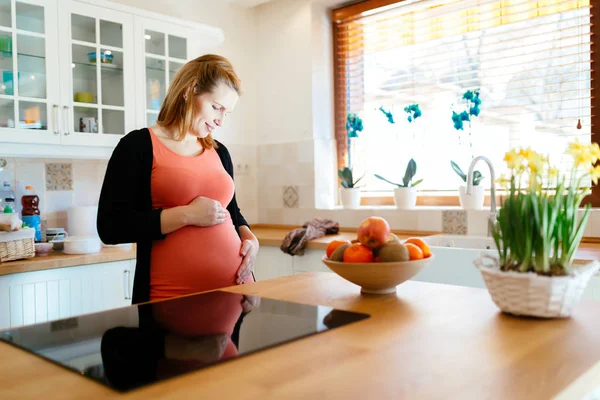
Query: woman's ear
x=185, y=94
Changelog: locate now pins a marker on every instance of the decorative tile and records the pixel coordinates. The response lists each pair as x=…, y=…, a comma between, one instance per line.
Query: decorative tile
x=290, y=197
x=454, y=221
x=59, y=176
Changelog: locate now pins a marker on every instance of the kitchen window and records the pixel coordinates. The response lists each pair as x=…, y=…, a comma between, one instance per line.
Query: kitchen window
x=529, y=63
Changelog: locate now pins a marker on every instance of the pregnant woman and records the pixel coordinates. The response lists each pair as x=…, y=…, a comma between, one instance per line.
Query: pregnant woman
x=169, y=188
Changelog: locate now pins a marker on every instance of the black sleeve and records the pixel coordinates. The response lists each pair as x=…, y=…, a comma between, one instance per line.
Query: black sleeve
x=232, y=207
x=125, y=213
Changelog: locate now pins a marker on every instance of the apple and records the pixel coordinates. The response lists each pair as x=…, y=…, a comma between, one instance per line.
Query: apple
x=373, y=232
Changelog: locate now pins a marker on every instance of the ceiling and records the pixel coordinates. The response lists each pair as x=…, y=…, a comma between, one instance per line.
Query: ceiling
x=247, y=3
x=254, y=3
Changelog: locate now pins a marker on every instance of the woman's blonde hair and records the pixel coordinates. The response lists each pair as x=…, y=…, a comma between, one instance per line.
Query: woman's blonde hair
x=197, y=77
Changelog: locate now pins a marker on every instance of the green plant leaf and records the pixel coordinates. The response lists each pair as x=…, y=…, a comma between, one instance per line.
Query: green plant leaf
x=411, y=170
x=458, y=171
x=383, y=179
x=477, y=177
x=417, y=182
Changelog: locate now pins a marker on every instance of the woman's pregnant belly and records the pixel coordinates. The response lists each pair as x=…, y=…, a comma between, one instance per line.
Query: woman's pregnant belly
x=194, y=259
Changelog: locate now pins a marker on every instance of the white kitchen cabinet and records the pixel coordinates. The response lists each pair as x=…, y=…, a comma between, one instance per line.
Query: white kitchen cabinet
x=272, y=263
x=161, y=50
x=87, y=33
x=29, y=62
x=310, y=262
x=41, y=296
x=59, y=90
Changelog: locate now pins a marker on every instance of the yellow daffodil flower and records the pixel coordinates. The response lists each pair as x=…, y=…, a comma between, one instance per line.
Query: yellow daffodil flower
x=595, y=173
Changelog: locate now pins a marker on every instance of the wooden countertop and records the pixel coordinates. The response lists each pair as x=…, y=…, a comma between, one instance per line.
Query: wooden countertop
x=267, y=236
x=429, y=341
x=58, y=259
x=274, y=237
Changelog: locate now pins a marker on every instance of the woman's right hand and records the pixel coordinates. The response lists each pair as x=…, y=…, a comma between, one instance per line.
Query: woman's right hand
x=203, y=211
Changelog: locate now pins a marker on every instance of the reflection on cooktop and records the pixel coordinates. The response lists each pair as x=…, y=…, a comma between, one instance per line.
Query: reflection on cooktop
x=135, y=346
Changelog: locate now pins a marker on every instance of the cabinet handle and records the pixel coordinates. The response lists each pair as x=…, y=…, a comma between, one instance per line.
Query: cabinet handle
x=55, y=112
x=66, y=115
x=126, y=282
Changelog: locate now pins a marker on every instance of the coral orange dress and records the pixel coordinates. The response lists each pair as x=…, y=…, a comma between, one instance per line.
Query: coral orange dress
x=191, y=259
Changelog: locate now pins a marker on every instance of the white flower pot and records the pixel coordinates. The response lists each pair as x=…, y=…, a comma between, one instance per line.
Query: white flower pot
x=527, y=293
x=405, y=197
x=350, y=197
x=473, y=201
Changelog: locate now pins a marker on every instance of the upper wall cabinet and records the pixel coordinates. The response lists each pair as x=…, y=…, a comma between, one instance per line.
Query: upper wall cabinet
x=75, y=76
x=97, y=74
x=29, y=85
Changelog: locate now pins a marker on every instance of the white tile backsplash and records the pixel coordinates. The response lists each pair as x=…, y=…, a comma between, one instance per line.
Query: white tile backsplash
x=429, y=220
x=477, y=222
x=86, y=186
x=57, y=203
x=87, y=180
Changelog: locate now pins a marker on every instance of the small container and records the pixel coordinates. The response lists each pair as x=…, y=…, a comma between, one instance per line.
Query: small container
x=56, y=236
x=84, y=97
x=105, y=58
x=42, y=249
x=82, y=245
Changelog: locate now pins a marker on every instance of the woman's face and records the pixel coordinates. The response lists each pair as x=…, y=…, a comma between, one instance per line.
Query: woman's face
x=212, y=108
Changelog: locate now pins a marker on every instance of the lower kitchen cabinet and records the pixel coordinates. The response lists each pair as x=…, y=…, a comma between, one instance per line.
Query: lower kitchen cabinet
x=271, y=263
x=40, y=296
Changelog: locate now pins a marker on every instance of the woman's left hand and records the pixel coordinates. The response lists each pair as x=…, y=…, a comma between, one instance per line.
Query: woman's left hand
x=249, y=250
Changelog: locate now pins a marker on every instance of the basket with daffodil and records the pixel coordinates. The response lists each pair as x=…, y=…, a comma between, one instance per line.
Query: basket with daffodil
x=537, y=232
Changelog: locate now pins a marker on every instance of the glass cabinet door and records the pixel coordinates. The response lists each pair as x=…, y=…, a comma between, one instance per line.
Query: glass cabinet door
x=164, y=54
x=29, y=91
x=99, y=109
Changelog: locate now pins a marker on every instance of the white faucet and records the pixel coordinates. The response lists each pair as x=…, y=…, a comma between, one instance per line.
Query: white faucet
x=492, y=216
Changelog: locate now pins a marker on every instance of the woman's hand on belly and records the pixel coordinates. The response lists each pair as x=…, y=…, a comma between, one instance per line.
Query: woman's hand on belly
x=249, y=250
x=203, y=211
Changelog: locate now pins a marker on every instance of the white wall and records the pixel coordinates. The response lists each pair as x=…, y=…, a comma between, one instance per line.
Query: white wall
x=295, y=142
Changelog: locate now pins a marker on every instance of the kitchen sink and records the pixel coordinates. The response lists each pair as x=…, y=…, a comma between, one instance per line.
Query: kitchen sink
x=454, y=256
x=461, y=242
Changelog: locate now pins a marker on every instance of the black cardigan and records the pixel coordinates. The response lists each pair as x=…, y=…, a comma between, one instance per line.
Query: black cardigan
x=125, y=213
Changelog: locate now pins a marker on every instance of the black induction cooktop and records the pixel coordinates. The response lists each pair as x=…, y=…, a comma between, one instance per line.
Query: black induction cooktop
x=135, y=346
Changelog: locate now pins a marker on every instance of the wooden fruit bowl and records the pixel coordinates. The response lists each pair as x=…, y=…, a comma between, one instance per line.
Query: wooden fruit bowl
x=378, y=278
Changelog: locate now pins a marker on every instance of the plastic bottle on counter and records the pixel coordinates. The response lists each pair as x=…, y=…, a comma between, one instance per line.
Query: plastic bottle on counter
x=31, y=212
x=9, y=206
x=7, y=193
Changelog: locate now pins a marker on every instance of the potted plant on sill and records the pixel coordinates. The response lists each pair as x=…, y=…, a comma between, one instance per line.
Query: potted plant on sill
x=405, y=193
x=349, y=192
x=474, y=202
x=537, y=232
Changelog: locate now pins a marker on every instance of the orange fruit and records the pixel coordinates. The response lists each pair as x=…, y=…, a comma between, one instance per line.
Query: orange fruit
x=334, y=244
x=358, y=253
x=420, y=243
x=414, y=251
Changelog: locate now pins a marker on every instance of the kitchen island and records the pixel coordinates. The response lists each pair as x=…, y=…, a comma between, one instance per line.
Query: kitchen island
x=428, y=341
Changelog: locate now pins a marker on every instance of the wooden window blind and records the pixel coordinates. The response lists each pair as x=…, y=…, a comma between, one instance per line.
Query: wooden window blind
x=529, y=61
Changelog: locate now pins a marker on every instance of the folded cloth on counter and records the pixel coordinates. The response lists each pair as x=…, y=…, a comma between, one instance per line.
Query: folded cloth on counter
x=296, y=240
x=10, y=222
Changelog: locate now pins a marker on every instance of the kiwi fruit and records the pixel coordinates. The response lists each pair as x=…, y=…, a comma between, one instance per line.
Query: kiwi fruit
x=338, y=254
x=392, y=239
x=393, y=252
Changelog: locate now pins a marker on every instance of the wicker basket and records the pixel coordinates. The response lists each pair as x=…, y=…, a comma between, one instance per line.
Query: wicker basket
x=530, y=294
x=17, y=245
